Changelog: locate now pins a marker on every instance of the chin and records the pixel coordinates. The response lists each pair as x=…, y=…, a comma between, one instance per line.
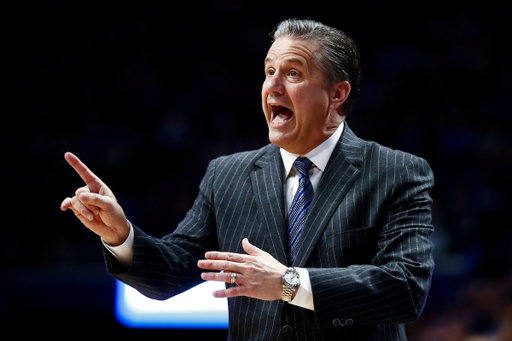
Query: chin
x=285, y=143
x=277, y=138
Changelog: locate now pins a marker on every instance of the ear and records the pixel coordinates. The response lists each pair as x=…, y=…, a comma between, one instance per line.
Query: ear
x=340, y=92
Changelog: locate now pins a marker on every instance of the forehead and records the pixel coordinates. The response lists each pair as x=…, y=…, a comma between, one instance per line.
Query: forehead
x=292, y=50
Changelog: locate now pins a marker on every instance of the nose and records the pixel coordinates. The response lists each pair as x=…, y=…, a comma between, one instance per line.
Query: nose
x=274, y=85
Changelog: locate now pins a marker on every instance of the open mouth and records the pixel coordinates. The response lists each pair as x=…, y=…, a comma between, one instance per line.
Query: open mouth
x=280, y=114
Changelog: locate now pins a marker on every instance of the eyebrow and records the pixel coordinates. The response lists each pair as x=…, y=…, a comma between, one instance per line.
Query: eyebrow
x=291, y=60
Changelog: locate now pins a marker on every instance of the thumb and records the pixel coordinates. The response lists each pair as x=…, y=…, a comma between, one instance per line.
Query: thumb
x=251, y=249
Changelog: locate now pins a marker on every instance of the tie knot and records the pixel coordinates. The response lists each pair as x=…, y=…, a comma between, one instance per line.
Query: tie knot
x=303, y=164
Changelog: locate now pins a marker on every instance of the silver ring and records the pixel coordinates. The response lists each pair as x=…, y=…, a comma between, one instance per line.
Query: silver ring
x=233, y=278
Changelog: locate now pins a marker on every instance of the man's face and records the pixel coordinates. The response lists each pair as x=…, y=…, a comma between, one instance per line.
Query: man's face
x=300, y=107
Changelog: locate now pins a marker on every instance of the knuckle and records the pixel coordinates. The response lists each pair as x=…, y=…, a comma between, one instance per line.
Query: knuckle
x=81, y=190
x=75, y=203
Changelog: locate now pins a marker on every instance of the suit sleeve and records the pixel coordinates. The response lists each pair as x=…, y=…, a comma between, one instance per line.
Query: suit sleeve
x=162, y=268
x=393, y=288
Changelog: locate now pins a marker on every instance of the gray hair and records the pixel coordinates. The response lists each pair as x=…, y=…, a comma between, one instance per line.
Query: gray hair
x=338, y=56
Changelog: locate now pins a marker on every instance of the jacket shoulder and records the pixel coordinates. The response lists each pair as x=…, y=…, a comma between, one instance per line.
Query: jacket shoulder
x=375, y=152
x=243, y=161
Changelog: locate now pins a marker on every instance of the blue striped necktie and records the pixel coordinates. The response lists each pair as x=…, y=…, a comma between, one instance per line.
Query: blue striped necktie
x=300, y=205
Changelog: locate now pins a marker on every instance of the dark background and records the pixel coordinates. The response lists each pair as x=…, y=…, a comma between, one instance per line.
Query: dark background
x=146, y=96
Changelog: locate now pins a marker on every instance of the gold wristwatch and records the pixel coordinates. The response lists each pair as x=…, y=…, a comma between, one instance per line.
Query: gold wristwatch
x=291, y=283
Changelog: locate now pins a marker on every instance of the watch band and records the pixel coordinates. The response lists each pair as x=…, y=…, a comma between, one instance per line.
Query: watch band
x=288, y=291
x=291, y=282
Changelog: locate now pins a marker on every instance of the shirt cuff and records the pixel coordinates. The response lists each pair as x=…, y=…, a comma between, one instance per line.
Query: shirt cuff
x=123, y=252
x=304, y=296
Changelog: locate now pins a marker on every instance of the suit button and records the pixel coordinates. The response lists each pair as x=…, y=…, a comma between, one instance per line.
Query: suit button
x=287, y=330
x=336, y=322
x=349, y=322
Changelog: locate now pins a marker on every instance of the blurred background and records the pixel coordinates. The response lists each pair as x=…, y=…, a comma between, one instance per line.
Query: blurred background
x=148, y=94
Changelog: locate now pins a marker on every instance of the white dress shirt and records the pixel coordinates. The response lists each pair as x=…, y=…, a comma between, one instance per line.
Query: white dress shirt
x=319, y=157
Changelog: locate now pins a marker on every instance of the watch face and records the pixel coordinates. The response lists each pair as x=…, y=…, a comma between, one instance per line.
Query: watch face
x=291, y=277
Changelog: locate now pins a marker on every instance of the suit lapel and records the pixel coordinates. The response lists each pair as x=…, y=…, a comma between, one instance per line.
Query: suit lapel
x=267, y=182
x=341, y=172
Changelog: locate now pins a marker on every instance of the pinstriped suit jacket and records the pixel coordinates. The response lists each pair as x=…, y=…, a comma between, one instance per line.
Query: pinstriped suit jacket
x=366, y=242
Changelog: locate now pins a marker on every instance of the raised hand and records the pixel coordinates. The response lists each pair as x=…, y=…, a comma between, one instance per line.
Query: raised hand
x=258, y=274
x=96, y=206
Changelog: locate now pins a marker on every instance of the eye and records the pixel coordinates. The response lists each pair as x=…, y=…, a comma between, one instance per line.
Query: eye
x=294, y=74
x=270, y=72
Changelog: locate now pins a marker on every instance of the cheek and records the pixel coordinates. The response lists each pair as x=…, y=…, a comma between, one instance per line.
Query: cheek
x=264, y=106
x=317, y=104
x=264, y=91
x=312, y=110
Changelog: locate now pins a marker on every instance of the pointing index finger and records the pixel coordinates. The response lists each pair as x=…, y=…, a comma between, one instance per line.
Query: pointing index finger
x=82, y=170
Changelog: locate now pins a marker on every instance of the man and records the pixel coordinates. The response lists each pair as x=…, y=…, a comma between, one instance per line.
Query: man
x=319, y=235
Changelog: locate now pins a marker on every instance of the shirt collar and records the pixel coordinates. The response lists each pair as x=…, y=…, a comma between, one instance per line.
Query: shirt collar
x=319, y=155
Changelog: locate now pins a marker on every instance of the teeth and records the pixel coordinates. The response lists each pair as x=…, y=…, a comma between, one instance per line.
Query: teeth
x=279, y=121
x=276, y=111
